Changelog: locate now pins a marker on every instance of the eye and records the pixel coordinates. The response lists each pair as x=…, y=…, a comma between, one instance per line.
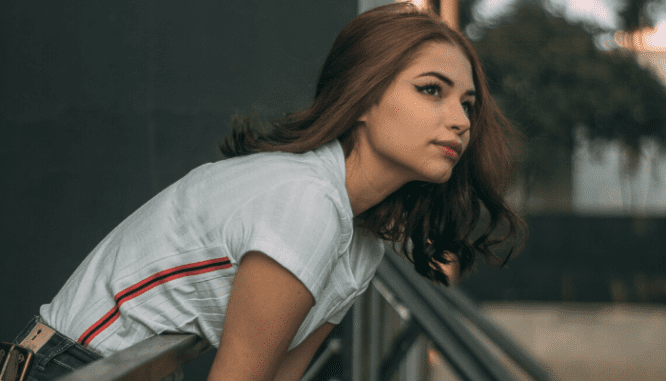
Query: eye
x=469, y=108
x=430, y=89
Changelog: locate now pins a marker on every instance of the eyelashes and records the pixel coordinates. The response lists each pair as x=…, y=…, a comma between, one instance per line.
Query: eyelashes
x=469, y=109
x=430, y=86
x=467, y=106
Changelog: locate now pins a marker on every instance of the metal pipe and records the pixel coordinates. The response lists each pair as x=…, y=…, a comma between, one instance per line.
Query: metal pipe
x=400, y=348
x=357, y=340
x=375, y=339
x=333, y=348
x=149, y=360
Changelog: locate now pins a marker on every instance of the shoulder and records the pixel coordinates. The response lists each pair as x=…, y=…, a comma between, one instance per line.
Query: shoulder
x=297, y=207
x=281, y=181
x=260, y=171
x=236, y=181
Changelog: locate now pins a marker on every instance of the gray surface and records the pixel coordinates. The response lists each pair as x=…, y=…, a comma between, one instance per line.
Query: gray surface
x=103, y=104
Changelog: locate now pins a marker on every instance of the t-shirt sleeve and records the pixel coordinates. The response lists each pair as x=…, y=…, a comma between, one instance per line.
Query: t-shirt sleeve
x=299, y=226
x=338, y=316
x=373, y=253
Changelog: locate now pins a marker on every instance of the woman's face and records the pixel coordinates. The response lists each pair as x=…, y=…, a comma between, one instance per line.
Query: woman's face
x=421, y=125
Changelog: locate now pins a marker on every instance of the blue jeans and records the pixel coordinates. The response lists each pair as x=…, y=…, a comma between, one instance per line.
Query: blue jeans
x=59, y=356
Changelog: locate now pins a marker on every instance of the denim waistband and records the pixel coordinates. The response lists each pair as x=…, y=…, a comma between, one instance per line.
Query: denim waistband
x=57, y=344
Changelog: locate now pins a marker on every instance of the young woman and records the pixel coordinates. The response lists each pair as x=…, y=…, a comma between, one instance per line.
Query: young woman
x=264, y=252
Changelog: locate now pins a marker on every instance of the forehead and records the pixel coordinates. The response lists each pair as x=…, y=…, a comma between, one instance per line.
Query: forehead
x=445, y=58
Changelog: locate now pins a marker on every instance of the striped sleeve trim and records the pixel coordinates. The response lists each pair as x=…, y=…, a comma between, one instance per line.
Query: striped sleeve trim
x=146, y=285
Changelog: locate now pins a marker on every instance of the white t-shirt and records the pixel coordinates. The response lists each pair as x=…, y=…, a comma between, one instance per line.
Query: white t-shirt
x=170, y=265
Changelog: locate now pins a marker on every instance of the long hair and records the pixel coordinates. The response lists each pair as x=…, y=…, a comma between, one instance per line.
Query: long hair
x=434, y=223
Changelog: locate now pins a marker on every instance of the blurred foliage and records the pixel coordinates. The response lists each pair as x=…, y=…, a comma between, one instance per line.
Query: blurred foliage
x=466, y=12
x=549, y=78
x=638, y=14
x=633, y=14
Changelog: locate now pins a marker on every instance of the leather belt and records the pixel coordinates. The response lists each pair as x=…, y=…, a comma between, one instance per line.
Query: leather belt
x=15, y=360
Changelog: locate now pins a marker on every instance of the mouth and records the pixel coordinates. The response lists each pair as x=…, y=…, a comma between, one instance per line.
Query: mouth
x=452, y=148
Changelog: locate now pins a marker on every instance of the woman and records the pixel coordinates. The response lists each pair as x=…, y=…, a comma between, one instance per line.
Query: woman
x=263, y=253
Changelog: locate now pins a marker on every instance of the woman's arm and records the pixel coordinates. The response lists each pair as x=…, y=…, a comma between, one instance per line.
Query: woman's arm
x=266, y=307
x=297, y=360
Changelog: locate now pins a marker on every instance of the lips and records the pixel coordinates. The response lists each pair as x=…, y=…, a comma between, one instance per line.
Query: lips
x=451, y=147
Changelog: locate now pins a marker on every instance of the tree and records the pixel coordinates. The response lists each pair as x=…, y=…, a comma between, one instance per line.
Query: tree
x=549, y=78
x=638, y=14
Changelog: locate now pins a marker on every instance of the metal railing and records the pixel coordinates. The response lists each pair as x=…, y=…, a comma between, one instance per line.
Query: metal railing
x=148, y=360
x=461, y=333
x=468, y=340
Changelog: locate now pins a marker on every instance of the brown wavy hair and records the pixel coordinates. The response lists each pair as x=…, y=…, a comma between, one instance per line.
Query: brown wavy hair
x=434, y=223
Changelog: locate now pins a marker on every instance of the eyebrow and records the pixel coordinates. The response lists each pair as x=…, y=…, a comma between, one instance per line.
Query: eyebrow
x=446, y=80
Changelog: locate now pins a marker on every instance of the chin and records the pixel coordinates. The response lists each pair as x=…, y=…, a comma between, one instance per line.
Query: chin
x=438, y=174
x=438, y=179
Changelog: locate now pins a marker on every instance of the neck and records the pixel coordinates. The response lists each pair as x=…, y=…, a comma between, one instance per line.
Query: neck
x=367, y=182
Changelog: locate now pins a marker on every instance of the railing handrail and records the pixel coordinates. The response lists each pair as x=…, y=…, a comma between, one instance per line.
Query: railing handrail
x=469, y=360
x=445, y=315
x=149, y=360
x=495, y=334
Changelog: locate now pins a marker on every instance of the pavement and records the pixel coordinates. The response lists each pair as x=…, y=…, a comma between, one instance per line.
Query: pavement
x=585, y=341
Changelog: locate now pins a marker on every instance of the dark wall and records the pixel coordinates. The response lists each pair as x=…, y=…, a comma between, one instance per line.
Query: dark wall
x=583, y=259
x=105, y=103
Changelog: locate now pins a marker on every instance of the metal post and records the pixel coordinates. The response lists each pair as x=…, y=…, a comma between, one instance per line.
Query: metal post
x=332, y=349
x=375, y=338
x=366, y=5
x=357, y=340
x=449, y=11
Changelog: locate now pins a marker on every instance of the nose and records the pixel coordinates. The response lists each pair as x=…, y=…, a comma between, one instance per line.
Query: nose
x=459, y=121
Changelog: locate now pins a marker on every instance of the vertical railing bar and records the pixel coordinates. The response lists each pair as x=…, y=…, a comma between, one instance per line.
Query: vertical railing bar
x=357, y=339
x=443, y=309
x=346, y=351
x=375, y=342
x=391, y=300
x=464, y=360
x=332, y=349
x=413, y=360
x=399, y=349
x=405, y=324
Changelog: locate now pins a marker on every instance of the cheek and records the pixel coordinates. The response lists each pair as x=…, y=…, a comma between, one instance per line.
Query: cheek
x=400, y=122
x=415, y=117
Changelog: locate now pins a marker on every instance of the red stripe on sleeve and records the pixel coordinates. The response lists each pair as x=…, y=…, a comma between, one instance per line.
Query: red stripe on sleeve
x=148, y=284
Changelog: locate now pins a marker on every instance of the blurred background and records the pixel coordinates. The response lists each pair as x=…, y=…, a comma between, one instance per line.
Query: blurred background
x=105, y=103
